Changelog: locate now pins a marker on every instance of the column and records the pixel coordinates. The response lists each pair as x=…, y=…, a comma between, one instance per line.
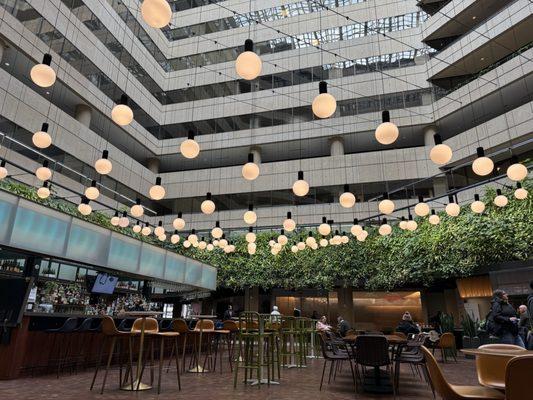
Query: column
x=336, y=146
x=153, y=165
x=251, y=299
x=83, y=114
x=2, y=48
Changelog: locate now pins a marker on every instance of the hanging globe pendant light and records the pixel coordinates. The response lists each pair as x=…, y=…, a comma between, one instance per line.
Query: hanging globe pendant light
x=441, y=153
x=362, y=236
x=42, y=138
x=121, y=113
x=175, y=238
x=324, y=228
x=179, y=222
x=411, y=224
x=385, y=229
x=310, y=241
x=115, y=219
x=137, y=210
x=146, y=230
x=282, y=239
x=324, y=104
x=250, y=170
x=482, y=165
x=434, y=219
x=289, y=224
x=252, y=247
x=421, y=209
x=189, y=147
x=103, y=166
x=248, y=64
x=516, y=171
x=403, y=224
x=159, y=230
x=84, y=208
x=477, y=206
x=156, y=13
x=44, y=191
x=217, y=232
x=3, y=169
x=208, y=206
x=250, y=236
x=520, y=193
x=300, y=187
x=452, y=208
x=347, y=199
x=124, y=221
x=43, y=173
x=92, y=191
x=500, y=200
x=250, y=217
x=356, y=229
x=323, y=242
x=386, y=132
x=157, y=192
x=42, y=74
x=386, y=206
x=137, y=227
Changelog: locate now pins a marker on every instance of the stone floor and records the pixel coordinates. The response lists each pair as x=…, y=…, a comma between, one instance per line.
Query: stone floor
x=296, y=384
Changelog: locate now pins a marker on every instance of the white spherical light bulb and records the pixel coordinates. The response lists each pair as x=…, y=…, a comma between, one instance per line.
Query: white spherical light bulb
x=43, y=173
x=208, y=206
x=441, y=153
x=42, y=138
x=300, y=246
x=482, y=165
x=250, y=217
x=289, y=224
x=3, y=169
x=386, y=206
x=222, y=243
x=175, y=238
x=362, y=236
x=189, y=147
x=217, y=232
x=355, y=229
x=124, y=220
x=43, y=192
x=227, y=249
x=500, y=200
x=92, y=192
x=324, y=228
x=115, y=219
x=179, y=222
x=248, y=64
x=159, y=230
x=452, y=208
x=294, y=249
x=386, y=132
x=202, y=245
x=403, y=224
x=250, y=170
x=411, y=225
x=309, y=241
x=271, y=242
x=347, y=199
x=137, y=228
x=277, y=246
x=252, y=247
x=385, y=229
x=323, y=242
x=137, y=210
x=274, y=251
x=157, y=192
x=162, y=237
x=282, y=239
x=300, y=187
x=42, y=74
x=434, y=219
x=477, y=206
x=146, y=230
x=210, y=247
x=324, y=104
x=187, y=244
x=103, y=166
x=516, y=171
x=520, y=193
x=250, y=237
x=421, y=209
x=121, y=113
x=156, y=13
x=215, y=243
x=84, y=208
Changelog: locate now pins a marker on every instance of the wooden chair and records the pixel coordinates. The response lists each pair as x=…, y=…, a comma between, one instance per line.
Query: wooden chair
x=518, y=378
x=400, y=334
x=490, y=367
x=447, y=346
x=180, y=326
x=455, y=392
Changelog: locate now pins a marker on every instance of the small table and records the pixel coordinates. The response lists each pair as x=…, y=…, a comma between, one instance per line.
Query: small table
x=491, y=364
x=137, y=384
x=392, y=339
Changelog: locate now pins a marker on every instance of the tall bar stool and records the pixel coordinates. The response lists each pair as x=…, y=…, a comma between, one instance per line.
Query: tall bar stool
x=204, y=328
x=110, y=332
x=290, y=341
x=82, y=342
x=64, y=345
x=231, y=338
x=180, y=326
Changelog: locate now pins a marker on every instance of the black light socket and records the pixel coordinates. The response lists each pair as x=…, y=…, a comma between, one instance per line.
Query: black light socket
x=180, y=214
x=250, y=229
x=346, y=187
x=450, y=199
x=324, y=220
x=124, y=214
x=250, y=207
x=498, y=192
x=208, y=196
x=251, y=157
x=138, y=201
x=93, y=183
x=385, y=116
x=158, y=181
x=190, y=135
x=47, y=59
x=160, y=223
x=355, y=221
x=123, y=99
x=217, y=224
x=518, y=185
x=476, y=197
x=420, y=199
x=384, y=221
x=248, y=45
x=44, y=127
x=289, y=215
x=437, y=138
x=322, y=87
x=480, y=152
x=105, y=154
x=300, y=175
x=45, y=163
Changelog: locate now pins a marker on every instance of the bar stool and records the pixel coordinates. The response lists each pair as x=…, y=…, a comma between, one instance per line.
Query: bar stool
x=231, y=338
x=64, y=347
x=180, y=326
x=222, y=338
x=110, y=331
x=82, y=344
x=203, y=327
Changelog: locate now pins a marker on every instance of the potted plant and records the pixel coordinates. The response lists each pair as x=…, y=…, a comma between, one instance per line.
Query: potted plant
x=470, y=333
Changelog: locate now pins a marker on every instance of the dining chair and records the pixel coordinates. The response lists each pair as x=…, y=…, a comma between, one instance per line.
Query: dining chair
x=491, y=367
x=332, y=355
x=373, y=351
x=455, y=392
x=518, y=378
x=447, y=347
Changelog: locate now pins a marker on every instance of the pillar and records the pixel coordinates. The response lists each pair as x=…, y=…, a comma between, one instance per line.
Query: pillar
x=83, y=114
x=440, y=183
x=2, y=48
x=153, y=165
x=345, y=305
x=251, y=299
x=336, y=146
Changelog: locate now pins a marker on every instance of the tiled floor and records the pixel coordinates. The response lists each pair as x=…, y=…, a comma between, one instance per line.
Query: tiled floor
x=296, y=384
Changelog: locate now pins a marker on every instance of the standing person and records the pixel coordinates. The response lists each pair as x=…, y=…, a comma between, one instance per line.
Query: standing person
x=229, y=313
x=342, y=325
x=505, y=320
x=275, y=315
x=406, y=325
x=524, y=324
x=297, y=312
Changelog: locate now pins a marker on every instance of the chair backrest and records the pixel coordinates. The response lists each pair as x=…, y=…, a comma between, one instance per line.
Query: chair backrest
x=69, y=325
x=372, y=350
x=165, y=324
x=108, y=326
x=150, y=325
x=437, y=378
x=180, y=325
x=447, y=340
x=204, y=325
x=249, y=321
x=499, y=346
x=327, y=345
x=230, y=325
x=518, y=378
x=85, y=325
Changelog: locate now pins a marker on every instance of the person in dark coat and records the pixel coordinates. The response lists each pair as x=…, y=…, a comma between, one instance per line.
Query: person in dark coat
x=229, y=313
x=407, y=325
x=342, y=326
x=505, y=319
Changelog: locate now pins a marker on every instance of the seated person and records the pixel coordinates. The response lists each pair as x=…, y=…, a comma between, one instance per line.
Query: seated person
x=322, y=324
x=407, y=325
x=343, y=326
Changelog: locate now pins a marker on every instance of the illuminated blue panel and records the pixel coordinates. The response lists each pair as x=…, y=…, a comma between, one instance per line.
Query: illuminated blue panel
x=88, y=243
x=124, y=253
x=193, y=274
x=175, y=267
x=7, y=207
x=209, y=277
x=43, y=231
x=152, y=261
